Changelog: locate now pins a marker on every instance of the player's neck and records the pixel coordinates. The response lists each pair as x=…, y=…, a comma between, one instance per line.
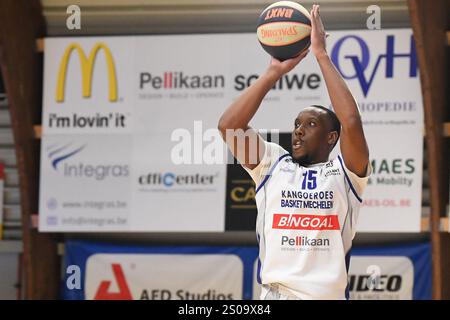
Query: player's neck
x=309, y=160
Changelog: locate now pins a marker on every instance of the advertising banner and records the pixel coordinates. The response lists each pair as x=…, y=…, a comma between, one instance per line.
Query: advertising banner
x=106, y=271
x=110, y=272
x=130, y=139
x=391, y=272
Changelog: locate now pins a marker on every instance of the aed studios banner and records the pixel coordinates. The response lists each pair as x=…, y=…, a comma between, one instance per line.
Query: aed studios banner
x=98, y=271
x=119, y=111
x=157, y=273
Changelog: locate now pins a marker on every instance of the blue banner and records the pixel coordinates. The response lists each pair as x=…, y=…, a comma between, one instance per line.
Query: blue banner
x=402, y=272
x=77, y=254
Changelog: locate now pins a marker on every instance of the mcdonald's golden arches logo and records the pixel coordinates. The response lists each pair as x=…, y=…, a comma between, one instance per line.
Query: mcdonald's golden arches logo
x=87, y=66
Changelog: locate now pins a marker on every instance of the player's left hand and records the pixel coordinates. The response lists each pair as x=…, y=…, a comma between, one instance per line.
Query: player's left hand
x=318, y=34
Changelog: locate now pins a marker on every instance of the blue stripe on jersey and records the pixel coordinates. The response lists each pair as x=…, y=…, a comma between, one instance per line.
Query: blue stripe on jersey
x=258, y=275
x=270, y=172
x=258, y=271
x=347, y=266
x=348, y=180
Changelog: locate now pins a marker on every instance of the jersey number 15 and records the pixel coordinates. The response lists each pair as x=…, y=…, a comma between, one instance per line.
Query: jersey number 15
x=309, y=180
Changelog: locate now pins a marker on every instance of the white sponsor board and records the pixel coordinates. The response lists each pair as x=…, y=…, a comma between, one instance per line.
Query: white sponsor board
x=372, y=278
x=90, y=124
x=87, y=183
x=380, y=69
x=164, y=277
x=138, y=91
x=381, y=278
x=170, y=197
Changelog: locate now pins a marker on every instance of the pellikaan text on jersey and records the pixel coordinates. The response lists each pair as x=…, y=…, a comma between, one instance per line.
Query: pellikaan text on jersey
x=306, y=223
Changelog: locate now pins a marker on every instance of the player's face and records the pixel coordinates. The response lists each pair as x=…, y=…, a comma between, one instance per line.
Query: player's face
x=310, y=136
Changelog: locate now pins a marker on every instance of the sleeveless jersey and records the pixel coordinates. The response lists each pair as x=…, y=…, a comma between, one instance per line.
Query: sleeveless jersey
x=306, y=223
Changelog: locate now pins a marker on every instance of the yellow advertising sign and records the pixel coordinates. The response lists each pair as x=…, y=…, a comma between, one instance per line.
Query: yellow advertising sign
x=87, y=66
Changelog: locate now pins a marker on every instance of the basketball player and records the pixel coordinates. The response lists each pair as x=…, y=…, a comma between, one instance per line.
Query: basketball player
x=307, y=204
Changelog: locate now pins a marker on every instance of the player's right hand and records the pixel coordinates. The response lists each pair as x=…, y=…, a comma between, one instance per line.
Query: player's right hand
x=282, y=67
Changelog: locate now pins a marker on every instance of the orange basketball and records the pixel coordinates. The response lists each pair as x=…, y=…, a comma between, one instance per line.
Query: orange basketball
x=284, y=29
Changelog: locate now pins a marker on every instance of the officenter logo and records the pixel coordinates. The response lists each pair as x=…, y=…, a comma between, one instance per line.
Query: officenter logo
x=87, y=64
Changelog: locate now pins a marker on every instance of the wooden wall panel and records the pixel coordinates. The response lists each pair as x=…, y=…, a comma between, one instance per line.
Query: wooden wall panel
x=21, y=66
x=429, y=23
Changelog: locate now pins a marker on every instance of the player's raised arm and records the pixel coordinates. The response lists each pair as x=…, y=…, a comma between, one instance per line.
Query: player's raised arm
x=233, y=123
x=353, y=143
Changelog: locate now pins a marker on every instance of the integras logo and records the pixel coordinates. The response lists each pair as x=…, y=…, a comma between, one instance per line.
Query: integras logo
x=57, y=153
x=124, y=293
x=87, y=66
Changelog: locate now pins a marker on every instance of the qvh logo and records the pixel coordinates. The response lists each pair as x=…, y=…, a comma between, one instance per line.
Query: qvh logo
x=60, y=155
x=170, y=179
x=360, y=61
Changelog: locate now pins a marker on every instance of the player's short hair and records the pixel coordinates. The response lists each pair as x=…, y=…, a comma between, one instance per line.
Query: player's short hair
x=335, y=123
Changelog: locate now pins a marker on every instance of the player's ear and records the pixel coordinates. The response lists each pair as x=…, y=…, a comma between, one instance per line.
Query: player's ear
x=332, y=138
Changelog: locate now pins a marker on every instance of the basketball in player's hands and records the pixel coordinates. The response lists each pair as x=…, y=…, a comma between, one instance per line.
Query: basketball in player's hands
x=284, y=29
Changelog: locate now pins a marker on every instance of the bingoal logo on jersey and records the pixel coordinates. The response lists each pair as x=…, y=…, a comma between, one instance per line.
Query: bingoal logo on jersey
x=305, y=222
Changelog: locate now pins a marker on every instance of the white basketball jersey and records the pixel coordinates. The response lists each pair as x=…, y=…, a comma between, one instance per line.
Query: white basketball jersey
x=306, y=222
